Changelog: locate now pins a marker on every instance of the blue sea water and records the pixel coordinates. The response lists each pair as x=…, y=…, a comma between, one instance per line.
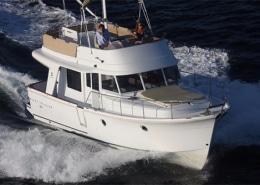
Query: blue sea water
x=220, y=39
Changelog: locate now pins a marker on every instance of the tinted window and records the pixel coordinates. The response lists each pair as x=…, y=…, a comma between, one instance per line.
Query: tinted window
x=95, y=81
x=172, y=75
x=129, y=83
x=109, y=83
x=74, y=80
x=153, y=79
x=88, y=80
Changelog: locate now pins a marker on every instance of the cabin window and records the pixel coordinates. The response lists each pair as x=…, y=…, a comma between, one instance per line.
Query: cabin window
x=95, y=81
x=109, y=83
x=88, y=80
x=172, y=75
x=74, y=80
x=92, y=81
x=129, y=83
x=153, y=79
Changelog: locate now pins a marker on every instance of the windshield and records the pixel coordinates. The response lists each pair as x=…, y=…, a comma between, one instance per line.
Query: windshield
x=142, y=81
x=153, y=79
x=172, y=75
x=129, y=83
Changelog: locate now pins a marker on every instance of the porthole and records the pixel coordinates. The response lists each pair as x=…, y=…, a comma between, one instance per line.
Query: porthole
x=103, y=122
x=144, y=128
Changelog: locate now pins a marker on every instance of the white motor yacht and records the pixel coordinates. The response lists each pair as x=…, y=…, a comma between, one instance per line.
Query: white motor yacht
x=127, y=95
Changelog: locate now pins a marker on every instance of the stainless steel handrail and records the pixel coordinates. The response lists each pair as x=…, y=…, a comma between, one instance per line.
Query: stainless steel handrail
x=143, y=103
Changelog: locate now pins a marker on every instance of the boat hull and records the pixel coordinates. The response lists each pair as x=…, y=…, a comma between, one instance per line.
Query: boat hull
x=180, y=139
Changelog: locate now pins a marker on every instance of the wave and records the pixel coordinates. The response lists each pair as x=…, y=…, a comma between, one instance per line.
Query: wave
x=208, y=62
x=26, y=21
x=13, y=87
x=56, y=156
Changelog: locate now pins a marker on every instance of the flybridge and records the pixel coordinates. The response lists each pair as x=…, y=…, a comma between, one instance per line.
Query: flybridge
x=76, y=41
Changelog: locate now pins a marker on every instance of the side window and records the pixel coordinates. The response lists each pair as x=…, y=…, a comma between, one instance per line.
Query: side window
x=95, y=81
x=74, y=80
x=88, y=80
x=109, y=83
x=92, y=81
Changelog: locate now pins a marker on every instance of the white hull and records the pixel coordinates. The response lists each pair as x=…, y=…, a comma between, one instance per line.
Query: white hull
x=186, y=141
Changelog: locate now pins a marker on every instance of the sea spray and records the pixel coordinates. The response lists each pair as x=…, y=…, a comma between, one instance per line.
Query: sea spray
x=57, y=156
x=13, y=86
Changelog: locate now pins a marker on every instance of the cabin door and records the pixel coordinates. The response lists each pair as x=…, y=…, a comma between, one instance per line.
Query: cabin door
x=93, y=90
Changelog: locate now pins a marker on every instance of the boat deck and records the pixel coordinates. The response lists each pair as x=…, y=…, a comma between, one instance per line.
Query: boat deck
x=66, y=40
x=146, y=106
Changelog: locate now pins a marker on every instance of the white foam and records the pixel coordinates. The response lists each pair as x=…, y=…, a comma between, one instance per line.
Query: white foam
x=56, y=156
x=14, y=84
x=25, y=23
x=208, y=62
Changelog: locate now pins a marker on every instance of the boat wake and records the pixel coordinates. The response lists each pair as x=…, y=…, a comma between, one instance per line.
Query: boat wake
x=27, y=22
x=56, y=156
x=208, y=62
x=13, y=90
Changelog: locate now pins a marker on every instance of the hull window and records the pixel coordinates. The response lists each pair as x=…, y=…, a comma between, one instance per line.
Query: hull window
x=74, y=80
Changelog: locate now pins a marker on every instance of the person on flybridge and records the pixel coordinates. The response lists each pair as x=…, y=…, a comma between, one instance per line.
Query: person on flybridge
x=138, y=32
x=102, y=37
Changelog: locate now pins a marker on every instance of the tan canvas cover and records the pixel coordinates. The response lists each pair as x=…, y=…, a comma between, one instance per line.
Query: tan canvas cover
x=59, y=45
x=169, y=94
